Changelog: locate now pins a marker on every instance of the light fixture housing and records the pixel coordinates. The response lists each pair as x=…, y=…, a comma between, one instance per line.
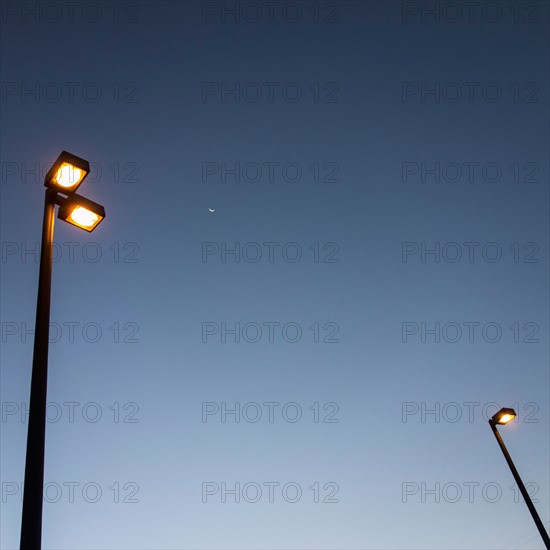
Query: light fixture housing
x=81, y=212
x=504, y=416
x=67, y=173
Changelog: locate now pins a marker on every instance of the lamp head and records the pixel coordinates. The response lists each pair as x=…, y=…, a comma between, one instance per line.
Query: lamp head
x=81, y=212
x=503, y=416
x=67, y=173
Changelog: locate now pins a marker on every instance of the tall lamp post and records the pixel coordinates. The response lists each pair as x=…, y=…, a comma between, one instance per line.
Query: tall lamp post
x=61, y=182
x=503, y=417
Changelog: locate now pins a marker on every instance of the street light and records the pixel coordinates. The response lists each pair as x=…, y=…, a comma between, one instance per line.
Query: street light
x=502, y=417
x=65, y=175
x=81, y=212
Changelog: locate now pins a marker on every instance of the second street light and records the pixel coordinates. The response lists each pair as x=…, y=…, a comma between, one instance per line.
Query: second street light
x=66, y=174
x=503, y=417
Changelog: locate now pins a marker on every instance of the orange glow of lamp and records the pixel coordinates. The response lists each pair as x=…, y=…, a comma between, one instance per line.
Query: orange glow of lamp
x=81, y=212
x=67, y=173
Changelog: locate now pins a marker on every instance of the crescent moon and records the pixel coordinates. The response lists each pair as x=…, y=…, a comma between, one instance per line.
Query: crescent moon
x=211, y=209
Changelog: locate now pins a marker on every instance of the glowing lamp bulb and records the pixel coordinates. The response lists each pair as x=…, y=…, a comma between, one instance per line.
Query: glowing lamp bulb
x=68, y=175
x=503, y=416
x=83, y=217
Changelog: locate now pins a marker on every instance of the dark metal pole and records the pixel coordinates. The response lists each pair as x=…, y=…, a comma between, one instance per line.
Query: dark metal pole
x=521, y=486
x=31, y=522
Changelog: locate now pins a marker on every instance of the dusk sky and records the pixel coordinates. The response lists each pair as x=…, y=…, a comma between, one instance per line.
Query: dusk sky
x=324, y=265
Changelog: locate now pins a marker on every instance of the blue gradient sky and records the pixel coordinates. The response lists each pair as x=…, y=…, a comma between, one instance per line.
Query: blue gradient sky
x=153, y=135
